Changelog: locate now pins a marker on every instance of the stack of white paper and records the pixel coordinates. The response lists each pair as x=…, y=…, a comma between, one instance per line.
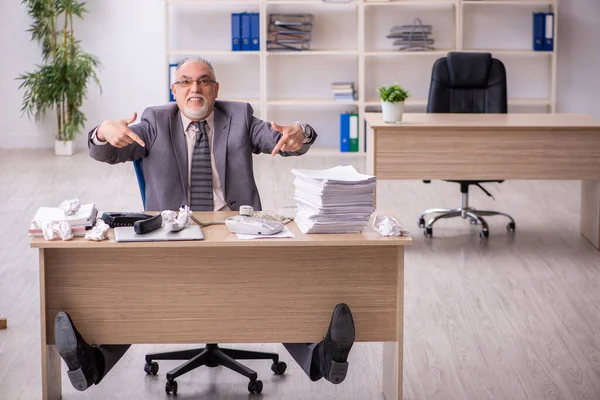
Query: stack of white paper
x=335, y=200
x=84, y=217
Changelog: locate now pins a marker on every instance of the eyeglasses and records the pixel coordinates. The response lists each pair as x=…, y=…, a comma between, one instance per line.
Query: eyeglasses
x=189, y=82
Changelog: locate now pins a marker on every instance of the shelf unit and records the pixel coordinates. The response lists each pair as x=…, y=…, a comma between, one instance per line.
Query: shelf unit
x=349, y=44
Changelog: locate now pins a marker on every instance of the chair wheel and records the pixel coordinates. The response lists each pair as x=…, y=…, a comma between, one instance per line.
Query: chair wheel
x=511, y=227
x=484, y=234
x=171, y=387
x=279, y=367
x=421, y=222
x=152, y=368
x=255, y=387
x=428, y=232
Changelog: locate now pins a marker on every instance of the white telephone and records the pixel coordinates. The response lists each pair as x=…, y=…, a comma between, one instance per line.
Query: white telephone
x=245, y=223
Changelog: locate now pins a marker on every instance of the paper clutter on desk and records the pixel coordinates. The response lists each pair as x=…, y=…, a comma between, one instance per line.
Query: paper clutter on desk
x=70, y=207
x=99, y=232
x=388, y=226
x=79, y=220
x=334, y=200
x=56, y=230
x=176, y=222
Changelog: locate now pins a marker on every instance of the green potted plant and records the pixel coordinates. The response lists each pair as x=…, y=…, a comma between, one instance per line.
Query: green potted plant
x=60, y=81
x=392, y=102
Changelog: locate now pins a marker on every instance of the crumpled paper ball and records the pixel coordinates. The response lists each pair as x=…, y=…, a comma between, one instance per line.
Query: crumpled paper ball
x=388, y=226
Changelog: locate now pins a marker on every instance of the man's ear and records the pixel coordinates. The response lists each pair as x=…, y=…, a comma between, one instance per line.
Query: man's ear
x=174, y=90
x=216, y=90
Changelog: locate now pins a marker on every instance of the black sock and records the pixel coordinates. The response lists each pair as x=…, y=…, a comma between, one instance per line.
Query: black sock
x=100, y=366
x=317, y=351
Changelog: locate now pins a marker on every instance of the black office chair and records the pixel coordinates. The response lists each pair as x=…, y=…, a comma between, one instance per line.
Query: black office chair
x=467, y=83
x=211, y=355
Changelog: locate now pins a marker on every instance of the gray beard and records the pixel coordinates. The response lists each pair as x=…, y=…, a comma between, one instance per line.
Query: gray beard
x=196, y=113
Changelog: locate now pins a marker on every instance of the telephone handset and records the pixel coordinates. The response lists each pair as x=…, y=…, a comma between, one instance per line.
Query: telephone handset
x=114, y=219
x=245, y=223
x=144, y=223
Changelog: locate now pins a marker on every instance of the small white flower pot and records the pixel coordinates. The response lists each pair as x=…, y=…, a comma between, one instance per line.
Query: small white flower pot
x=64, y=148
x=392, y=112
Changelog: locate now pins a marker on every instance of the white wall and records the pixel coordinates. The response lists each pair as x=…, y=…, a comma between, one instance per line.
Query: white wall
x=127, y=37
x=134, y=74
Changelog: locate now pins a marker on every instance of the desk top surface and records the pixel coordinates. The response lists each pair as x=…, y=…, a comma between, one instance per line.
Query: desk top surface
x=219, y=236
x=518, y=121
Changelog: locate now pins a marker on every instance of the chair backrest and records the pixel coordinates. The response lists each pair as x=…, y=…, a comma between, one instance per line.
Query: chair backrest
x=139, y=172
x=467, y=83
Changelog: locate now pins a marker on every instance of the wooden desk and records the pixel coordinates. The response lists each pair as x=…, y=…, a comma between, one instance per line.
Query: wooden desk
x=492, y=146
x=223, y=289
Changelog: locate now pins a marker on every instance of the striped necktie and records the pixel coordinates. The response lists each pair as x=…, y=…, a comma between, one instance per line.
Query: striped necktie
x=201, y=187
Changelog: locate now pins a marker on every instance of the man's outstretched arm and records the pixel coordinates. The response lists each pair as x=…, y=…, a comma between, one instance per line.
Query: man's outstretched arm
x=116, y=141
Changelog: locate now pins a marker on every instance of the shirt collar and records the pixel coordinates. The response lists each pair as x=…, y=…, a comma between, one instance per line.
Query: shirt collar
x=186, y=121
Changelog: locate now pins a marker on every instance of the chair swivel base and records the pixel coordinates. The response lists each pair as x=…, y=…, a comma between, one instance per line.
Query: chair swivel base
x=213, y=356
x=475, y=217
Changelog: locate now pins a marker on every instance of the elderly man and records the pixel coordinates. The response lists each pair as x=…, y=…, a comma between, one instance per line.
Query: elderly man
x=199, y=152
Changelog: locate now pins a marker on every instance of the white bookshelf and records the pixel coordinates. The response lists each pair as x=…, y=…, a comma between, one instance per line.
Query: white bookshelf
x=349, y=44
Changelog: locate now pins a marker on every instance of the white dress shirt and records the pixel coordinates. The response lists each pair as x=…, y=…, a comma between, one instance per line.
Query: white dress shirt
x=190, y=138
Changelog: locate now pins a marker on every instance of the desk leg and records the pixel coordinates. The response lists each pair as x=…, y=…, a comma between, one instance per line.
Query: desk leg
x=392, y=351
x=51, y=367
x=590, y=212
x=51, y=373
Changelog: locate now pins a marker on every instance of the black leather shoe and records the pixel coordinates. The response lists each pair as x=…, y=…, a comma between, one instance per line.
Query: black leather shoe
x=82, y=359
x=337, y=344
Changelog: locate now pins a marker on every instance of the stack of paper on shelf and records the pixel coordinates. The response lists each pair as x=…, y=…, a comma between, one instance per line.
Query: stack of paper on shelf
x=84, y=217
x=415, y=37
x=290, y=31
x=335, y=200
x=343, y=91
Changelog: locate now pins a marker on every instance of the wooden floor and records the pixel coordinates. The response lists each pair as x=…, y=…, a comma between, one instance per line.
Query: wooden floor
x=514, y=318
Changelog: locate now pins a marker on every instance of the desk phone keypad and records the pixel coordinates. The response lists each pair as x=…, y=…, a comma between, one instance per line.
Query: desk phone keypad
x=269, y=223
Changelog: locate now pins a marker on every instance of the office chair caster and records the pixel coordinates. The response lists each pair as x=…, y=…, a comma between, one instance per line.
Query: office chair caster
x=151, y=368
x=484, y=234
x=428, y=232
x=511, y=227
x=255, y=387
x=279, y=368
x=172, y=387
x=421, y=223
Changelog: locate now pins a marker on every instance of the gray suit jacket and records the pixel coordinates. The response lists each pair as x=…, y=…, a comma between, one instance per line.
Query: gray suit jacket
x=237, y=135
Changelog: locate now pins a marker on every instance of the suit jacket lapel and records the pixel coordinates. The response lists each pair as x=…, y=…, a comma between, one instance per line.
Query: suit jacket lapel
x=179, y=147
x=221, y=133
